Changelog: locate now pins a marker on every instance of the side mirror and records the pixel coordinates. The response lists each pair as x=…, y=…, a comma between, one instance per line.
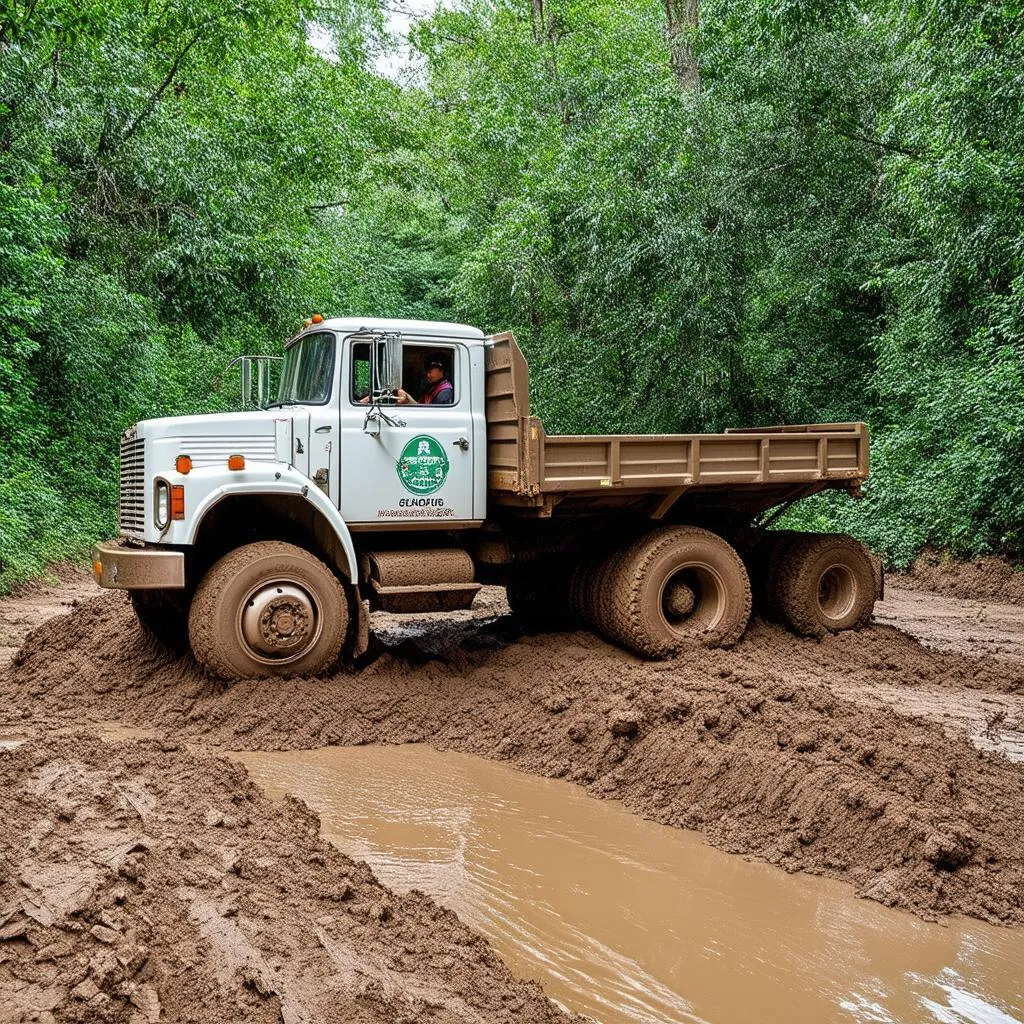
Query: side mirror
x=246, y=382
x=257, y=382
x=387, y=366
x=263, y=382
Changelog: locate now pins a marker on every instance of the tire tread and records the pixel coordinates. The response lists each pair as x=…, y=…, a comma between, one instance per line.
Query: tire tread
x=797, y=592
x=626, y=620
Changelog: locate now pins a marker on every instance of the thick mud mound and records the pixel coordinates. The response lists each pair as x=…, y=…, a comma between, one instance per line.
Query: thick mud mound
x=981, y=579
x=756, y=746
x=139, y=883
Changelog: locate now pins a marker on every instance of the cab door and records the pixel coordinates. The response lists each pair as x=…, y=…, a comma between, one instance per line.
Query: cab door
x=407, y=464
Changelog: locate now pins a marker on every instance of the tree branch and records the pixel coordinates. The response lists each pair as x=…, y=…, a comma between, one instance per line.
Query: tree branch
x=154, y=99
x=681, y=17
x=890, y=147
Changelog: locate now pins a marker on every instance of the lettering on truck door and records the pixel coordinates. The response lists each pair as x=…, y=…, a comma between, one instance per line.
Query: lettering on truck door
x=419, y=467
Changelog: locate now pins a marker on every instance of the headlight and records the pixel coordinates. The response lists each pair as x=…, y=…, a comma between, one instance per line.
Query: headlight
x=162, y=505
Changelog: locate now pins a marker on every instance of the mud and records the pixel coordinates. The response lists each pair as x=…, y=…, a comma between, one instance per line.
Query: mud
x=628, y=921
x=770, y=750
x=31, y=604
x=982, y=579
x=140, y=883
x=963, y=625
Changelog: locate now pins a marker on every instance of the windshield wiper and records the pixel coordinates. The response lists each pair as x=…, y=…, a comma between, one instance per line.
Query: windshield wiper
x=281, y=404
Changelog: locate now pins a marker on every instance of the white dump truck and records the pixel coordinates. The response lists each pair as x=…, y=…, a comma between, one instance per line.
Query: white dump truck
x=263, y=539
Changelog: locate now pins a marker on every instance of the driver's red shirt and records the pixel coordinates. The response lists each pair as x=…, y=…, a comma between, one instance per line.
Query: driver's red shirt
x=442, y=393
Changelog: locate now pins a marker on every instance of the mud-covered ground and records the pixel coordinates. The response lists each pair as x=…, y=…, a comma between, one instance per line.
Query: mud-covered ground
x=31, y=604
x=868, y=757
x=142, y=883
x=988, y=578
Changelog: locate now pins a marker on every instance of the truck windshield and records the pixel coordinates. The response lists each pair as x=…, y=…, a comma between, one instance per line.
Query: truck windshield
x=307, y=371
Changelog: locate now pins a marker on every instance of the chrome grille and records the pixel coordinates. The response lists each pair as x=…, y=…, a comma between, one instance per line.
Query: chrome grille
x=133, y=484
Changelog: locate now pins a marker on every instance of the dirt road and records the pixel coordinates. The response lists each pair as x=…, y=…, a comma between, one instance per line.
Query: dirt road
x=33, y=604
x=850, y=757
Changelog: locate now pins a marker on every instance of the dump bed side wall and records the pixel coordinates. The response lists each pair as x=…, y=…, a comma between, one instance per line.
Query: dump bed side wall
x=676, y=460
x=525, y=463
x=512, y=454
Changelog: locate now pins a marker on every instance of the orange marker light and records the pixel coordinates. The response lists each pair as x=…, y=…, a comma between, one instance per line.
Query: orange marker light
x=183, y=464
x=236, y=462
x=177, y=501
x=316, y=318
x=97, y=570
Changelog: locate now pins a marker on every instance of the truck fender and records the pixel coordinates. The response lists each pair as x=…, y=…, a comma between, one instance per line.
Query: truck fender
x=278, y=478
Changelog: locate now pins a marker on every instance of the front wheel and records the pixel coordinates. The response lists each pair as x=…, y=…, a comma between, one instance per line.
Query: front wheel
x=268, y=609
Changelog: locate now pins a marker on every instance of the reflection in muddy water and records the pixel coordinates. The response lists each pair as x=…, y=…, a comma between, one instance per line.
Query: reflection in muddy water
x=627, y=921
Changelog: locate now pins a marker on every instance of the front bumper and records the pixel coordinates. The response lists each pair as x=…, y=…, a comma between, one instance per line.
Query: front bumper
x=127, y=568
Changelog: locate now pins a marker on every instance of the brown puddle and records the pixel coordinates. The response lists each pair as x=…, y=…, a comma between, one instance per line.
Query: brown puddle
x=625, y=920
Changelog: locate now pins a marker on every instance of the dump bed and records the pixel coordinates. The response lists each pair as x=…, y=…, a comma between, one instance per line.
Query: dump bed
x=742, y=470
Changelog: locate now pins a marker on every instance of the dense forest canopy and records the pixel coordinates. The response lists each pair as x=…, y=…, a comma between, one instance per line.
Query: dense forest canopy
x=693, y=215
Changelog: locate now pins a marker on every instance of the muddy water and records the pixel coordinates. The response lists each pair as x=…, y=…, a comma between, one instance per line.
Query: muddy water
x=627, y=921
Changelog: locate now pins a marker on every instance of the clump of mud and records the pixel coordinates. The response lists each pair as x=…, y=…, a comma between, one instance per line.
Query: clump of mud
x=989, y=578
x=139, y=883
x=756, y=747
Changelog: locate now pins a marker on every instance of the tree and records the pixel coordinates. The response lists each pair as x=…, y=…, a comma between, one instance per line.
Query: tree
x=681, y=24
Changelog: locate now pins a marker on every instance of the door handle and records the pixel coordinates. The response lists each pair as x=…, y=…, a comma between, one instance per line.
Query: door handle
x=462, y=443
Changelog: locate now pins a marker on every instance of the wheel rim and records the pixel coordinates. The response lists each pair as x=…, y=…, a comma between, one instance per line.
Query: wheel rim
x=278, y=622
x=837, y=592
x=692, y=599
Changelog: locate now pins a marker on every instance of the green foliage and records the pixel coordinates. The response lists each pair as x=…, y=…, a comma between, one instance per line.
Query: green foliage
x=829, y=228
x=179, y=183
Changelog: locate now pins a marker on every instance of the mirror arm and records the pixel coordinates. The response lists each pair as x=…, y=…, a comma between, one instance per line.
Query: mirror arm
x=376, y=414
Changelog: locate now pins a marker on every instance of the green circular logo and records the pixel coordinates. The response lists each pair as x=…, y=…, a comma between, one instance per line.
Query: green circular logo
x=423, y=466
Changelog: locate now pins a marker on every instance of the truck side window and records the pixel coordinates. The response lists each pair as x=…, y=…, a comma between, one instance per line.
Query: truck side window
x=428, y=374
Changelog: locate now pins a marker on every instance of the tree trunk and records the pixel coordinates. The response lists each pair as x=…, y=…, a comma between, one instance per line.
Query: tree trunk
x=537, y=19
x=681, y=23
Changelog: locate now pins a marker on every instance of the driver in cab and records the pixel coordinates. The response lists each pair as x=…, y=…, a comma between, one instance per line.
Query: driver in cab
x=439, y=388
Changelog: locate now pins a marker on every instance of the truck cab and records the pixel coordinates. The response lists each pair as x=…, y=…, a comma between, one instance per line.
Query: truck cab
x=368, y=458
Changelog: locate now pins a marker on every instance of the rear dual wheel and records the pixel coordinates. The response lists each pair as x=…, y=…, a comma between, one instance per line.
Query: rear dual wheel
x=764, y=564
x=268, y=609
x=672, y=588
x=825, y=583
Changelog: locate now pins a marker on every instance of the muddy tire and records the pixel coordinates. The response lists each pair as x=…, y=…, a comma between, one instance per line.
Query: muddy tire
x=163, y=616
x=677, y=587
x=827, y=584
x=268, y=609
x=592, y=597
x=605, y=586
x=581, y=590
